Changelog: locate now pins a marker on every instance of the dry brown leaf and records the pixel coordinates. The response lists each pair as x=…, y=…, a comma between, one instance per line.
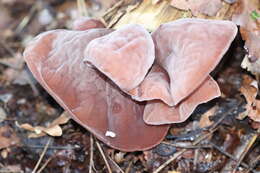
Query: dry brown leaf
x=247, y=17
x=52, y=129
x=62, y=119
x=119, y=157
x=249, y=89
x=204, y=120
x=7, y=137
x=4, y=153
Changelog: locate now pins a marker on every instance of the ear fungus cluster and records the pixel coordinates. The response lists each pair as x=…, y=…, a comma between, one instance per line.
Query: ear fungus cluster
x=126, y=86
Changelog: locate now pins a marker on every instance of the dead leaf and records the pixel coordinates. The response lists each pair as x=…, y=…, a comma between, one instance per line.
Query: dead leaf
x=247, y=16
x=249, y=89
x=7, y=137
x=119, y=157
x=62, y=119
x=52, y=129
x=204, y=120
x=4, y=153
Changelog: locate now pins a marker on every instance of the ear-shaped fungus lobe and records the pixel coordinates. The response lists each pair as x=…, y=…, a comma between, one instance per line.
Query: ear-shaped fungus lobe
x=189, y=49
x=86, y=23
x=56, y=60
x=155, y=86
x=125, y=55
x=157, y=113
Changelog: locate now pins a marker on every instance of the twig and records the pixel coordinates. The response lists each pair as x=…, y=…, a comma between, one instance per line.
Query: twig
x=212, y=129
x=25, y=21
x=176, y=155
x=195, y=161
x=253, y=164
x=44, y=165
x=227, y=154
x=187, y=146
x=50, y=147
x=7, y=48
x=118, y=4
x=115, y=164
x=42, y=155
x=91, y=154
x=32, y=85
x=129, y=167
x=225, y=115
x=82, y=7
x=252, y=141
x=103, y=156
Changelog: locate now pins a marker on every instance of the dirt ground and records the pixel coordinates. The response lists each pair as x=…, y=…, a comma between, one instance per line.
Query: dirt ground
x=218, y=137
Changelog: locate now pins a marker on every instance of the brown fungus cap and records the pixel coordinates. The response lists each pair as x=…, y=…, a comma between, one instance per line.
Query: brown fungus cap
x=85, y=23
x=56, y=60
x=189, y=49
x=101, y=96
x=158, y=113
x=125, y=55
x=154, y=86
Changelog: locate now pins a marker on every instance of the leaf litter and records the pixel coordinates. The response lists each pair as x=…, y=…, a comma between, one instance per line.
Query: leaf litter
x=220, y=145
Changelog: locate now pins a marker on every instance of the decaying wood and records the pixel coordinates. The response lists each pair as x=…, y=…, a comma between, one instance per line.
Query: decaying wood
x=151, y=15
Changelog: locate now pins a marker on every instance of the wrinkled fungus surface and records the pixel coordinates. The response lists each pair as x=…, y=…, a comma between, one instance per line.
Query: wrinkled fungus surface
x=92, y=99
x=125, y=55
x=85, y=23
x=190, y=54
x=126, y=85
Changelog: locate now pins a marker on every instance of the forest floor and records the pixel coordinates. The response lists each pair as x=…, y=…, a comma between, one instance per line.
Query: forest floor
x=218, y=137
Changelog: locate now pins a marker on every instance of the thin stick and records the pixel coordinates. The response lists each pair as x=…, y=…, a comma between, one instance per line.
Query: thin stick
x=129, y=167
x=91, y=154
x=187, y=146
x=7, y=48
x=176, y=155
x=227, y=154
x=44, y=165
x=32, y=85
x=50, y=147
x=115, y=164
x=253, y=164
x=225, y=115
x=103, y=156
x=25, y=21
x=42, y=155
x=249, y=145
x=82, y=7
x=119, y=3
x=195, y=161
